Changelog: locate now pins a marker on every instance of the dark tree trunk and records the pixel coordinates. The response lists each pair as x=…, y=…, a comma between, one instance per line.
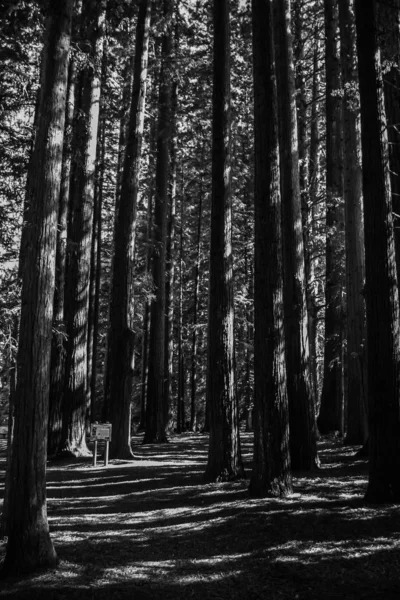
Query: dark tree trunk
x=303, y=447
x=81, y=228
x=224, y=456
x=180, y=412
x=381, y=289
x=155, y=408
x=356, y=372
x=121, y=339
x=271, y=471
x=29, y=545
x=331, y=409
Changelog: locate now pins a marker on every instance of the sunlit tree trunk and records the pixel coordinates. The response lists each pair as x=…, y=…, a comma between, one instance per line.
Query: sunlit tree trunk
x=29, y=545
x=224, y=457
x=271, y=474
x=381, y=288
x=331, y=409
x=81, y=226
x=303, y=447
x=58, y=343
x=120, y=357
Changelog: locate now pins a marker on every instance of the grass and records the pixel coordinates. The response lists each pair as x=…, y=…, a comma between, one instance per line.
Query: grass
x=150, y=529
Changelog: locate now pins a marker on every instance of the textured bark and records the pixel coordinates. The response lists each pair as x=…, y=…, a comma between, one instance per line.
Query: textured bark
x=170, y=263
x=80, y=230
x=224, y=457
x=156, y=408
x=356, y=372
x=29, y=545
x=388, y=26
x=180, y=412
x=196, y=289
x=121, y=338
x=303, y=447
x=58, y=342
x=271, y=471
x=381, y=289
x=331, y=409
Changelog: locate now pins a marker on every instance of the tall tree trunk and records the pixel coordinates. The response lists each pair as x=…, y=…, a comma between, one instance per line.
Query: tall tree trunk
x=381, y=288
x=81, y=228
x=29, y=545
x=271, y=471
x=356, y=372
x=303, y=447
x=170, y=265
x=180, y=412
x=331, y=409
x=121, y=337
x=224, y=456
x=309, y=220
x=388, y=24
x=196, y=289
x=95, y=263
x=155, y=408
x=58, y=342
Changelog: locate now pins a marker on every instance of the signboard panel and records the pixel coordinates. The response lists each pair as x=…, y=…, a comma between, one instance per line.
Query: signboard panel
x=100, y=431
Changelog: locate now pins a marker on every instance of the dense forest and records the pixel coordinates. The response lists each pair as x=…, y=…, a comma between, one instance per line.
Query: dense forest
x=199, y=232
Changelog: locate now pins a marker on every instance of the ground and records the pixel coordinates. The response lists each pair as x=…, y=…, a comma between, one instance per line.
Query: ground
x=150, y=529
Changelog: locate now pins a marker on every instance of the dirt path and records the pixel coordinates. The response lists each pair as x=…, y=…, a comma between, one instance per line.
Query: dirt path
x=150, y=529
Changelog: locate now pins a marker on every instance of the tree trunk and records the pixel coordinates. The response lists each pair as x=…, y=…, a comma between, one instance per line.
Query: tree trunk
x=224, y=456
x=29, y=545
x=303, y=447
x=331, y=409
x=196, y=286
x=356, y=372
x=180, y=412
x=155, y=408
x=81, y=228
x=58, y=342
x=271, y=471
x=120, y=361
x=381, y=289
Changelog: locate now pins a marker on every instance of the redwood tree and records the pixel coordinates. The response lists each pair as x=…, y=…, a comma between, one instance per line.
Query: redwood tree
x=271, y=472
x=381, y=286
x=224, y=457
x=121, y=336
x=29, y=545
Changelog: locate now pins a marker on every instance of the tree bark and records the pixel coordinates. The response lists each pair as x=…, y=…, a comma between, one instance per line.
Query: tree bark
x=331, y=409
x=121, y=338
x=224, y=456
x=356, y=372
x=271, y=474
x=29, y=545
x=303, y=447
x=381, y=287
x=155, y=408
x=81, y=228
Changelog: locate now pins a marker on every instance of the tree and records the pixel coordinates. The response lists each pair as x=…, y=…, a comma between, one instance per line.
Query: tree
x=355, y=382
x=271, y=472
x=331, y=409
x=121, y=336
x=303, y=448
x=80, y=230
x=29, y=545
x=381, y=284
x=156, y=410
x=224, y=457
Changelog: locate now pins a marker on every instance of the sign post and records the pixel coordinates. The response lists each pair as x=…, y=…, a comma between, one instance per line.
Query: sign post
x=102, y=432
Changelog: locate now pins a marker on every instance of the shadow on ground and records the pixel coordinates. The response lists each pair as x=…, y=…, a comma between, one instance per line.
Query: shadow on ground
x=150, y=528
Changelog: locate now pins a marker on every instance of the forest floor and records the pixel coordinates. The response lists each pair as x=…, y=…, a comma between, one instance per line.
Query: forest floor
x=151, y=529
